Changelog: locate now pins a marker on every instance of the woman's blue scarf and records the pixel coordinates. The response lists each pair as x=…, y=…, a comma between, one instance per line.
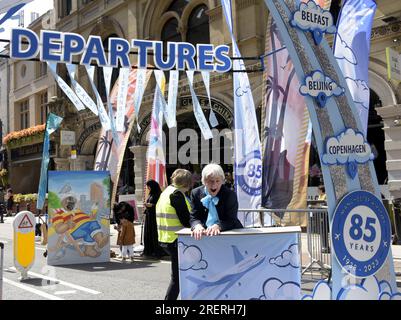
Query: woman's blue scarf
x=210, y=203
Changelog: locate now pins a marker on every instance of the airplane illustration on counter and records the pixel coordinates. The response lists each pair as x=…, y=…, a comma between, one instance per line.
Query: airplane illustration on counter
x=229, y=277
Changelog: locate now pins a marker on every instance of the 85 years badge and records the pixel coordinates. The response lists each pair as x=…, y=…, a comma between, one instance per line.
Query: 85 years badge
x=361, y=235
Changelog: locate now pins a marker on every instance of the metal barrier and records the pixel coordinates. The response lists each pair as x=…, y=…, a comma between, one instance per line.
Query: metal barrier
x=313, y=220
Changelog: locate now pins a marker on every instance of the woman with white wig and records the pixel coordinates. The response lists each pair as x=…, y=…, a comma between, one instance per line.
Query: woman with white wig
x=214, y=206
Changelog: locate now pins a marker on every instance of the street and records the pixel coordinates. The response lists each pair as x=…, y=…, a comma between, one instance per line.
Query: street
x=143, y=279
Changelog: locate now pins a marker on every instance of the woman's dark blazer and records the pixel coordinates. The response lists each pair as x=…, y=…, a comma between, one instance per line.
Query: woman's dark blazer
x=227, y=208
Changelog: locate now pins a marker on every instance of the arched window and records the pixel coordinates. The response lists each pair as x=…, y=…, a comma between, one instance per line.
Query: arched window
x=178, y=6
x=198, y=25
x=170, y=31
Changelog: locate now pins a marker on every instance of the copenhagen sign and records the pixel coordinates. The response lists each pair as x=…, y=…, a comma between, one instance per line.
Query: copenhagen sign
x=62, y=47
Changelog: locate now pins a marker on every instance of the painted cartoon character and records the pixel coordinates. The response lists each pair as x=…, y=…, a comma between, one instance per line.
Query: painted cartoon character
x=75, y=226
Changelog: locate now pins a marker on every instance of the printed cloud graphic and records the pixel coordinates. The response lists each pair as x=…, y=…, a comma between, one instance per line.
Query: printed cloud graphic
x=191, y=257
x=287, y=258
x=343, y=51
x=318, y=83
x=360, y=91
x=275, y=289
x=322, y=291
x=349, y=146
x=313, y=11
x=369, y=289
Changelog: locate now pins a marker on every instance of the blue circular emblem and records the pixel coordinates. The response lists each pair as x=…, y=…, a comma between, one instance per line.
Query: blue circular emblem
x=361, y=233
x=249, y=173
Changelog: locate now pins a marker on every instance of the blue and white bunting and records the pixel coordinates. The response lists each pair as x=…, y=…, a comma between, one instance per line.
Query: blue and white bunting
x=52, y=123
x=103, y=116
x=169, y=115
x=65, y=87
x=198, y=112
x=173, y=93
x=141, y=82
x=80, y=92
x=206, y=80
x=122, y=98
x=107, y=73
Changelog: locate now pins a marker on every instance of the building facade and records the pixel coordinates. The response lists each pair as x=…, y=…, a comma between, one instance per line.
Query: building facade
x=195, y=21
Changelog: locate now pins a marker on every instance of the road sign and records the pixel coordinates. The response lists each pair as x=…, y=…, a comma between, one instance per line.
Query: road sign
x=24, y=242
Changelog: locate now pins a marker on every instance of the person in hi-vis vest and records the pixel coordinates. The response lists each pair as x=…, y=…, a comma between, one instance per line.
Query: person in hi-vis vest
x=172, y=214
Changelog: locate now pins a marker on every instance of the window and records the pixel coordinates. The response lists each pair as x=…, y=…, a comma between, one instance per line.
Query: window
x=24, y=114
x=178, y=6
x=198, y=26
x=34, y=16
x=43, y=107
x=21, y=19
x=170, y=31
x=65, y=8
x=42, y=69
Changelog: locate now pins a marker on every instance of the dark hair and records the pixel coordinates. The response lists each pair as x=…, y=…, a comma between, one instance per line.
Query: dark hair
x=123, y=210
x=322, y=188
x=154, y=188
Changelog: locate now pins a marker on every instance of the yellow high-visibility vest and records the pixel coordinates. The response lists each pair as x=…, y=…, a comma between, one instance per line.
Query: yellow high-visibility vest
x=166, y=217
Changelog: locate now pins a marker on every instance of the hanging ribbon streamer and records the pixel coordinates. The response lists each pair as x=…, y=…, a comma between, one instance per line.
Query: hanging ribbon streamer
x=107, y=73
x=172, y=95
x=65, y=87
x=160, y=88
x=103, y=116
x=200, y=117
x=122, y=98
x=81, y=92
x=52, y=124
x=141, y=81
x=206, y=80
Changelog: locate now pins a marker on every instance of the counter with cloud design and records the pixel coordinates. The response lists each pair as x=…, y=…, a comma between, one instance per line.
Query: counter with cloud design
x=243, y=264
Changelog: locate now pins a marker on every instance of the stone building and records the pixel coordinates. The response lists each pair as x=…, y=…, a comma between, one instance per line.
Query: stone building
x=30, y=87
x=195, y=21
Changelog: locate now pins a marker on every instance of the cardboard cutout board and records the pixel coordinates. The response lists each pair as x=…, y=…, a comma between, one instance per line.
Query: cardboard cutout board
x=79, y=212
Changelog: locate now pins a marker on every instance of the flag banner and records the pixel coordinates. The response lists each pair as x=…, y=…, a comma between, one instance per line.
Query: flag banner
x=248, y=158
x=352, y=48
x=52, y=123
x=155, y=158
x=103, y=116
x=240, y=265
x=107, y=73
x=65, y=87
x=212, y=117
x=80, y=92
x=141, y=82
x=159, y=90
x=122, y=98
x=286, y=138
x=172, y=94
x=110, y=154
x=199, y=116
